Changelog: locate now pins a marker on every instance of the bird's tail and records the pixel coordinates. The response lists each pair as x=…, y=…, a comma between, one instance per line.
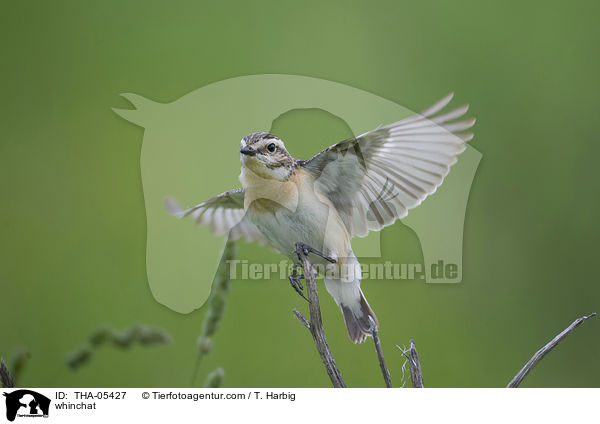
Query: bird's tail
x=357, y=312
x=357, y=319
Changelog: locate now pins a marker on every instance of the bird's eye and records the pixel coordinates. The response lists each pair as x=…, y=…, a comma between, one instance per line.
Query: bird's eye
x=271, y=147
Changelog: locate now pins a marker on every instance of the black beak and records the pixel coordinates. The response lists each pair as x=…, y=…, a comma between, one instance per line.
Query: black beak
x=248, y=151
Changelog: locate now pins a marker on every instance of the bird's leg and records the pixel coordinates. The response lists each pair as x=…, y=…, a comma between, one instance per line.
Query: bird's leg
x=295, y=280
x=298, y=277
x=303, y=249
x=306, y=249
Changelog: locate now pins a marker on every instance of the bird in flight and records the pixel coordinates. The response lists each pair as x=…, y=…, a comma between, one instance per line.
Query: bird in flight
x=355, y=186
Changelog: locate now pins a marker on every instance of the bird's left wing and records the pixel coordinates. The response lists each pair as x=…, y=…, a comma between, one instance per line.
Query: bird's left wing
x=375, y=178
x=224, y=213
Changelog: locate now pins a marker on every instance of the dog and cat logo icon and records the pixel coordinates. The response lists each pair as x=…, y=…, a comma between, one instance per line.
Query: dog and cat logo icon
x=26, y=403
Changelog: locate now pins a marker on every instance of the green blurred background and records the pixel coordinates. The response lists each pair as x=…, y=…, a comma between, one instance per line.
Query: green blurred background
x=73, y=228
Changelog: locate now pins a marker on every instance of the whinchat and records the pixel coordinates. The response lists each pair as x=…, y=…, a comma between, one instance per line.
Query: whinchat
x=355, y=186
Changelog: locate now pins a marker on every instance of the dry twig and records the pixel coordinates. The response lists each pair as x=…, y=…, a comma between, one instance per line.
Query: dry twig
x=537, y=357
x=376, y=341
x=5, y=377
x=414, y=364
x=315, y=325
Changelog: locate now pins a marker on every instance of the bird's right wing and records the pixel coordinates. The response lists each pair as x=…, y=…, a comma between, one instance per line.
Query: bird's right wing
x=224, y=213
x=375, y=178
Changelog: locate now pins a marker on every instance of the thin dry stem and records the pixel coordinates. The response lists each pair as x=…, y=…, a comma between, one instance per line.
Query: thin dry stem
x=5, y=376
x=539, y=355
x=315, y=325
x=414, y=364
x=384, y=370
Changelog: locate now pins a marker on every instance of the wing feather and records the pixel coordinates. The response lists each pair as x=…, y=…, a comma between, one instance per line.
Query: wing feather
x=374, y=179
x=224, y=214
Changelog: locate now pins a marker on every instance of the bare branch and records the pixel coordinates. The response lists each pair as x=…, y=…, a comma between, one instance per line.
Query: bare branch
x=384, y=370
x=5, y=377
x=416, y=376
x=302, y=318
x=316, y=323
x=414, y=364
x=537, y=357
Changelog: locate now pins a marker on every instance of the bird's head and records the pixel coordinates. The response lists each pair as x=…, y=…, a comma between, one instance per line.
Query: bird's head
x=265, y=155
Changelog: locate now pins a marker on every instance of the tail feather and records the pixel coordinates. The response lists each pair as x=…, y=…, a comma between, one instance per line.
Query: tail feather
x=357, y=319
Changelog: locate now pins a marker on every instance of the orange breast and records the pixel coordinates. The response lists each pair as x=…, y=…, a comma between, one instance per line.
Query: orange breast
x=268, y=195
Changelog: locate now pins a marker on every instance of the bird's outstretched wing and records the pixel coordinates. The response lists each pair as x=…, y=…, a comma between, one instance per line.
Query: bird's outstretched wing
x=375, y=178
x=224, y=213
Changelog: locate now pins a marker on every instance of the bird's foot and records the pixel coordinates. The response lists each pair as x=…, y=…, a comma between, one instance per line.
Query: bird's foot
x=297, y=285
x=305, y=249
x=295, y=281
